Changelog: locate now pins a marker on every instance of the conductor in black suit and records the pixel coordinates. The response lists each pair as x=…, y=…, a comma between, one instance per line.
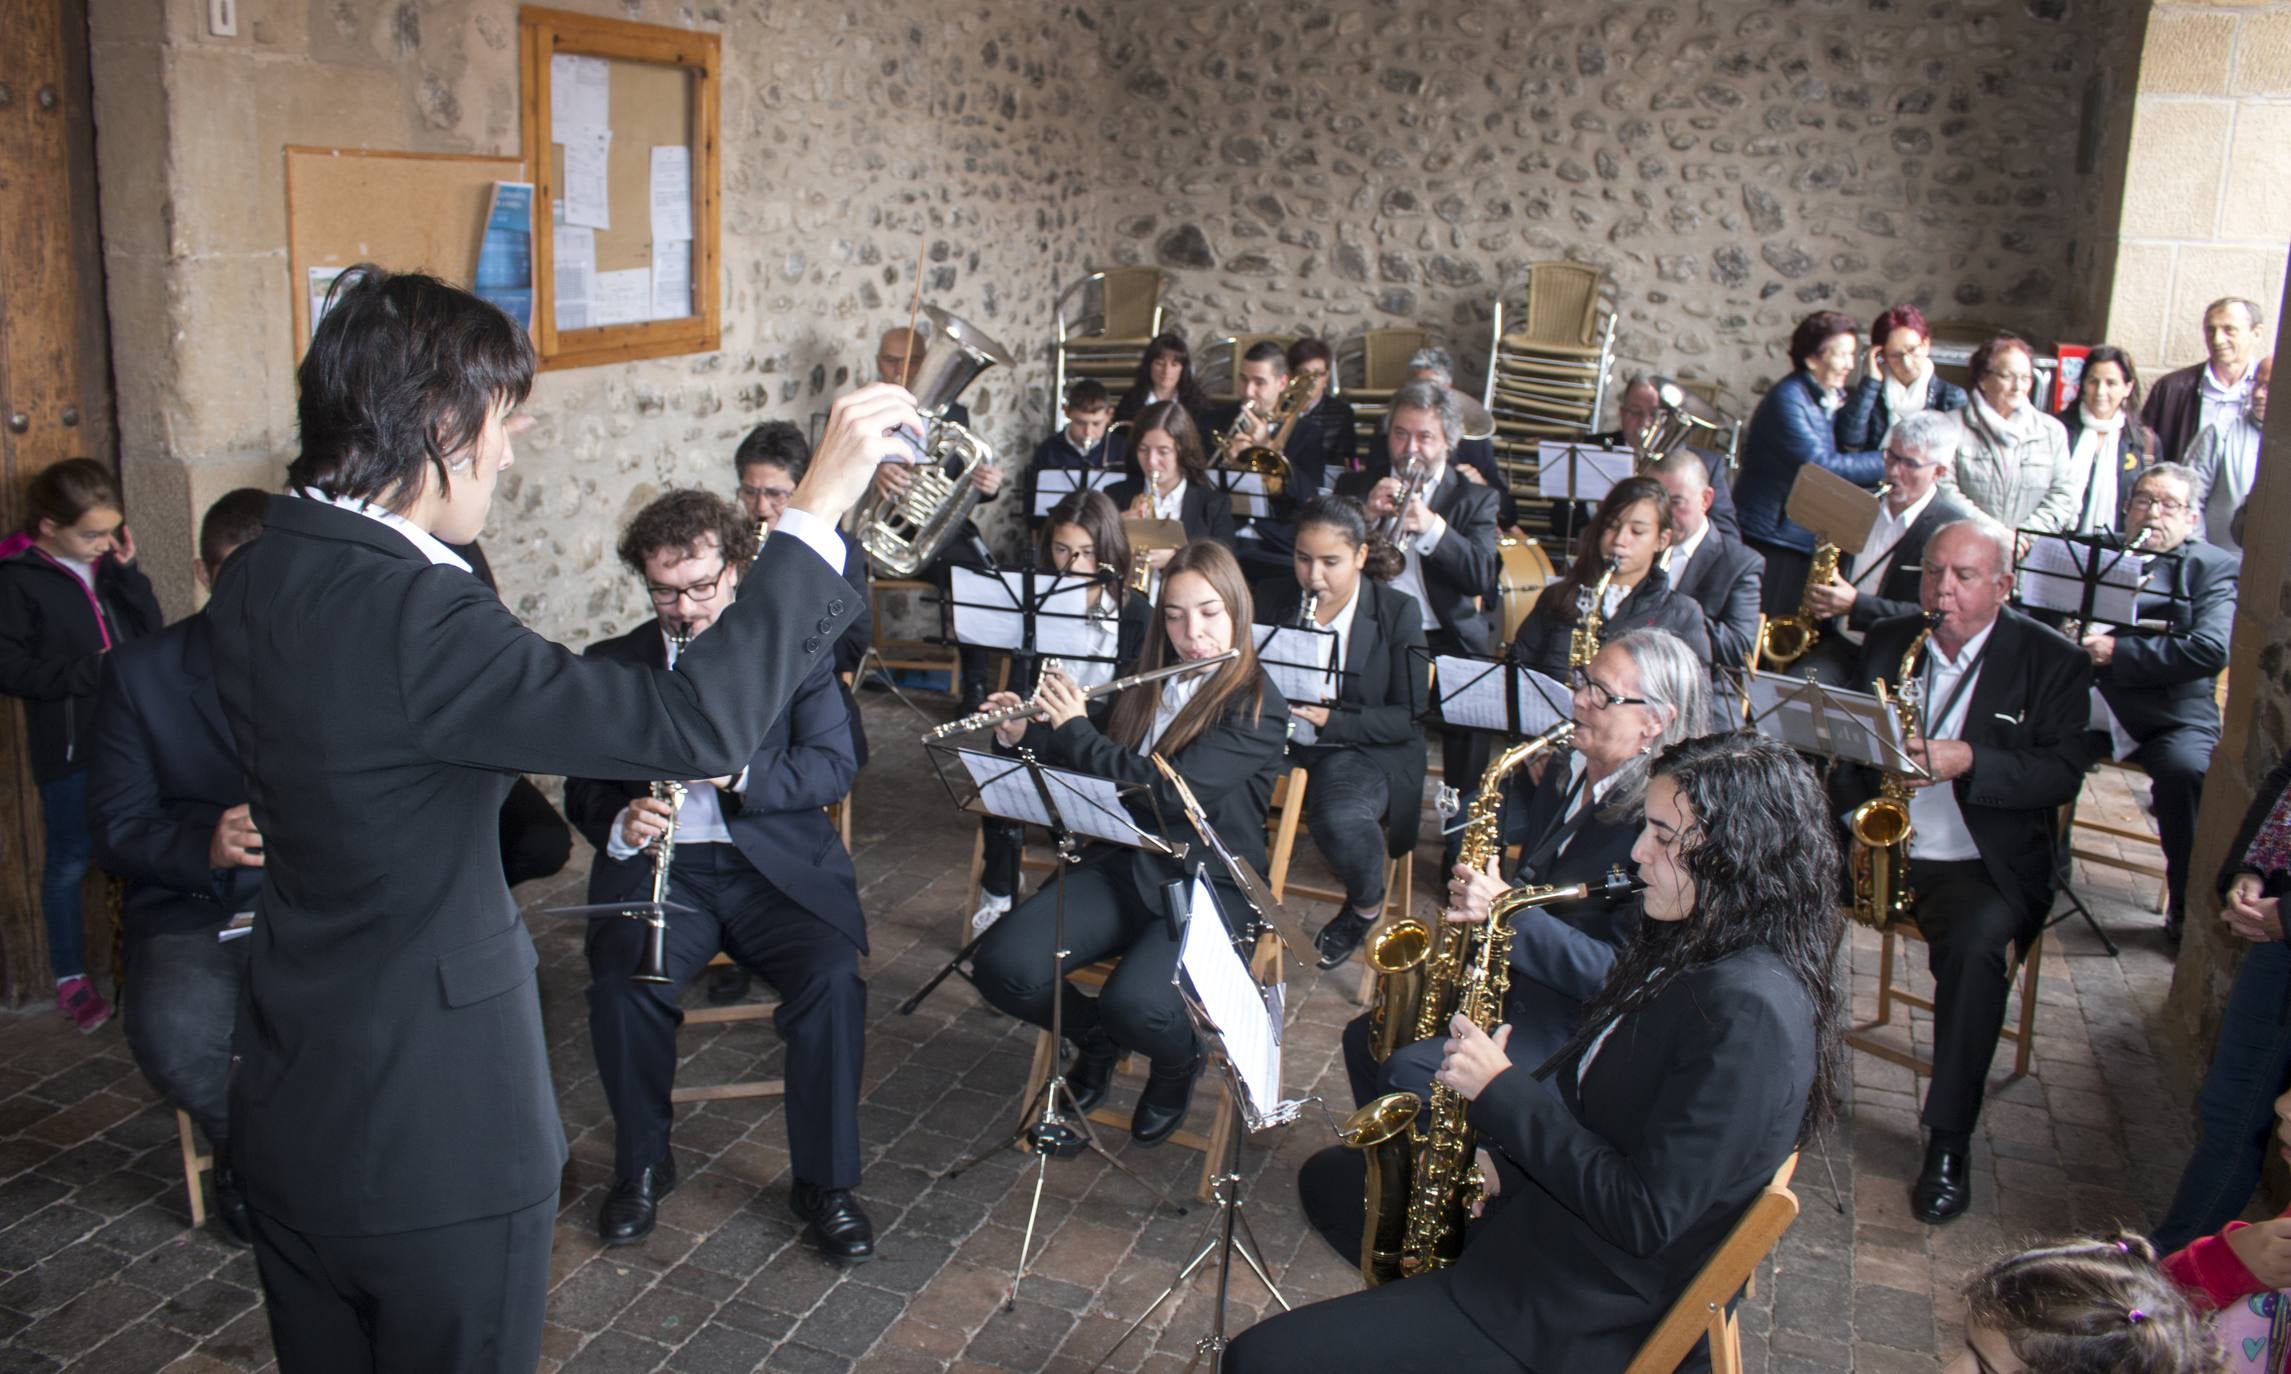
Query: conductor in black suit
x=1711, y=568
x=1614, y=1170
x=1447, y=539
x=2159, y=683
x=392, y=1109
x=768, y=881
x=2005, y=703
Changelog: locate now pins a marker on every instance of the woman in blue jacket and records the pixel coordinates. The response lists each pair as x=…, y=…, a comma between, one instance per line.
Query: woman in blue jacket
x=1796, y=425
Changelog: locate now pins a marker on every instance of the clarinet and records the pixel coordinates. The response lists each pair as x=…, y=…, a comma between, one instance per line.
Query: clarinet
x=1305, y=612
x=653, y=968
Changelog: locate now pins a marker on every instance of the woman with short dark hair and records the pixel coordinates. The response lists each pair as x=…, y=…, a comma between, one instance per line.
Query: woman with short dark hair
x=1901, y=381
x=1796, y=424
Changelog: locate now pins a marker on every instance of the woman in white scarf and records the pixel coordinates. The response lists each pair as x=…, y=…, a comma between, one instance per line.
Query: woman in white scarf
x=2107, y=444
x=1901, y=381
x=2014, y=464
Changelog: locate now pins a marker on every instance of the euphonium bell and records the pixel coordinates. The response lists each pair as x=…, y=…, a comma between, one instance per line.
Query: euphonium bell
x=903, y=532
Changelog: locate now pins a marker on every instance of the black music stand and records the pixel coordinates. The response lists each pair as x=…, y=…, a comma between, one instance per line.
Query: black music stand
x=1029, y=613
x=1583, y=483
x=1268, y=913
x=1302, y=661
x=1245, y=492
x=1497, y=696
x=1074, y=806
x=1242, y=1020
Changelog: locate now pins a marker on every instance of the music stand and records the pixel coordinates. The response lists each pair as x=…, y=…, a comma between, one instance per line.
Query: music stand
x=1301, y=661
x=1074, y=806
x=1242, y=1020
x=1052, y=485
x=1499, y=696
x=1587, y=474
x=1029, y=613
x=1245, y=491
x=1269, y=912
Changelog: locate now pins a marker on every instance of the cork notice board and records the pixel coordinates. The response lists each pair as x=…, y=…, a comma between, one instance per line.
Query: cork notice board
x=405, y=211
x=641, y=92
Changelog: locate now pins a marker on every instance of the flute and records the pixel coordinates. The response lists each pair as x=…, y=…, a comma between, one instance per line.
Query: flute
x=980, y=720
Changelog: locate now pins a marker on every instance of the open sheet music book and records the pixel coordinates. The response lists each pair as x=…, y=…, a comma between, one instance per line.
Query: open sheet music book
x=2052, y=577
x=991, y=611
x=1302, y=663
x=1223, y=994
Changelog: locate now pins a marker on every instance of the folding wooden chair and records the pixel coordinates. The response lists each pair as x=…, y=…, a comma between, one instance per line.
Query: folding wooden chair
x=1706, y=1308
x=747, y=1010
x=2023, y=1035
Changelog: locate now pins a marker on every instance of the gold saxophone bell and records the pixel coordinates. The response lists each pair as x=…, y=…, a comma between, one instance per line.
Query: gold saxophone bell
x=1380, y=1120
x=1396, y=952
x=1880, y=822
x=1384, y=1132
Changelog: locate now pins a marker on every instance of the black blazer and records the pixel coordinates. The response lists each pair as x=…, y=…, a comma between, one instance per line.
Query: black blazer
x=2161, y=680
x=1206, y=512
x=51, y=648
x=161, y=771
x=392, y=1073
x=1541, y=641
x=1895, y=589
x=804, y=764
x=851, y=646
x=1724, y=578
x=2174, y=410
x=1463, y=566
x=1230, y=767
x=2027, y=721
x=1561, y=954
x=1110, y=452
x=1387, y=678
x=1615, y=1191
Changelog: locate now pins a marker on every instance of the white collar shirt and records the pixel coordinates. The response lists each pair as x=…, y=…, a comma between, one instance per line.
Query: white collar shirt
x=1939, y=826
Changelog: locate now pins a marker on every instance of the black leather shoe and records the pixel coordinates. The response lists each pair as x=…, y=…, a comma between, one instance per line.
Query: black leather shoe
x=1092, y=1071
x=1340, y=937
x=1944, y=1187
x=1162, y=1105
x=727, y=985
x=231, y=1206
x=2174, y=923
x=832, y=1220
x=633, y=1205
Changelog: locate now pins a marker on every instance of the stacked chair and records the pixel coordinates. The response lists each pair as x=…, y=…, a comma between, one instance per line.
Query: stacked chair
x=1104, y=323
x=1371, y=366
x=1549, y=355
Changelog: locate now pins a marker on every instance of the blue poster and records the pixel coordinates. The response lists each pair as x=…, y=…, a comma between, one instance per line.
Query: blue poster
x=505, y=254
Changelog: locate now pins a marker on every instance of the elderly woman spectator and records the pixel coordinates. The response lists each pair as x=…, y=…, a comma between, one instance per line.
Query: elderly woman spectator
x=2108, y=446
x=1901, y=381
x=2014, y=463
x=1796, y=424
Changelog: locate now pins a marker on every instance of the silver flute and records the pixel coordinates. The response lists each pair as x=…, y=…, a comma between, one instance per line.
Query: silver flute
x=981, y=720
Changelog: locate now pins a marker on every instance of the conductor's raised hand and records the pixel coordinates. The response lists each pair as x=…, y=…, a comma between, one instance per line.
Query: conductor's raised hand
x=861, y=433
x=1470, y=1060
x=1062, y=700
x=1009, y=732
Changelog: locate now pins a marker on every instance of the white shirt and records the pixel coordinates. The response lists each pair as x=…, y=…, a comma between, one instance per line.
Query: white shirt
x=700, y=819
x=1939, y=824
x=81, y=568
x=1170, y=507
x=1304, y=731
x=1884, y=540
x=429, y=545
x=1175, y=693
x=2221, y=404
x=1678, y=556
x=1410, y=578
x=1105, y=632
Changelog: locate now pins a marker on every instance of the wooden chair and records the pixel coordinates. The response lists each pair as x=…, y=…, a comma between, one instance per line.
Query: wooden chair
x=710, y=1016
x=2022, y=1035
x=1706, y=1308
x=2072, y=823
x=1264, y=963
x=194, y=1164
x=887, y=653
x=1284, y=820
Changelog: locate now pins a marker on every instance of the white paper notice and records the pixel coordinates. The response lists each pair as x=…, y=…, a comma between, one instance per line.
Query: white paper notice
x=580, y=97
x=1005, y=787
x=587, y=193
x=575, y=270
x=671, y=278
x=623, y=297
x=672, y=193
x=1231, y=1001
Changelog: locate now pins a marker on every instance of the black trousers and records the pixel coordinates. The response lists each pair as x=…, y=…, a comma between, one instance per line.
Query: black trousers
x=461, y=1299
x=1005, y=848
x=180, y=1004
x=1408, y=1069
x=1969, y=929
x=1138, y=1006
x=822, y=1013
x=2176, y=761
x=1412, y=1324
x=1345, y=802
x=1786, y=570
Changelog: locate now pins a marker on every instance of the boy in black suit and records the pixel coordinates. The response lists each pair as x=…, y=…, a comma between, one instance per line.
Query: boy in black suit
x=1084, y=444
x=768, y=882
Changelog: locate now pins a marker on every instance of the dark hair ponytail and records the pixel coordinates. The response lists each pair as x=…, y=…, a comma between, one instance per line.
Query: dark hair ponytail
x=1350, y=519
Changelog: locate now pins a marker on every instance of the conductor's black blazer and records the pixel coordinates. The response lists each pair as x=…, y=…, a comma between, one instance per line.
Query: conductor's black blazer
x=1615, y=1191
x=161, y=771
x=1386, y=680
x=805, y=763
x=392, y=1075
x=1562, y=953
x=2028, y=722
x=1463, y=565
x=2158, y=681
x=1206, y=512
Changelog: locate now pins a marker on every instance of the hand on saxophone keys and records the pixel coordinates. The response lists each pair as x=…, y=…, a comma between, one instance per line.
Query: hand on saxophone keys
x=1472, y=893
x=1471, y=1059
x=1944, y=759
x=1831, y=598
x=1491, y=1183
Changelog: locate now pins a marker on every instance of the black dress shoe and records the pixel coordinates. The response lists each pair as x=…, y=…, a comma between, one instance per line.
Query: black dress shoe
x=231, y=1206
x=1944, y=1187
x=633, y=1205
x=1167, y=1096
x=727, y=985
x=2174, y=923
x=1092, y=1071
x=1340, y=937
x=833, y=1221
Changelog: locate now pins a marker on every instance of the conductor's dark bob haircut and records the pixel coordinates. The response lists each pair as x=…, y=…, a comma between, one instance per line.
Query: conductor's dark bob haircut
x=402, y=371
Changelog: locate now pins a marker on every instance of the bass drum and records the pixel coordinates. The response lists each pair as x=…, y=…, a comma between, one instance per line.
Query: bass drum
x=1524, y=571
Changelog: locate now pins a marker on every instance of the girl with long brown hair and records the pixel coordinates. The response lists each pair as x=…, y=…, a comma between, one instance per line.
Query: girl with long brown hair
x=1223, y=731
x=1168, y=449
x=1633, y=530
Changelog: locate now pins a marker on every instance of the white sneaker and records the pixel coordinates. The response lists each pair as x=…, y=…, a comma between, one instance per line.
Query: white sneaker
x=991, y=908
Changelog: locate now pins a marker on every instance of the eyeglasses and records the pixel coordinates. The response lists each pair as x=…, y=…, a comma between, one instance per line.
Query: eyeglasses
x=2011, y=377
x=1904, y=460
x=2161, y=505
x=700, y=592
x=780, y=494
x=1601, y=697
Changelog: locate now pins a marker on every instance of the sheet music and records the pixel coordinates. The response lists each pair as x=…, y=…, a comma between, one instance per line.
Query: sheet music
x=1231, y=1001
x=1246, y=490
x=987, y=612
x=2052, y=578
x=1302, y=663
x=1004, y=787
x=1472, y=695
x=1854, y=727
x=1092, y=806
x=1052, y=485
x=1580, y=472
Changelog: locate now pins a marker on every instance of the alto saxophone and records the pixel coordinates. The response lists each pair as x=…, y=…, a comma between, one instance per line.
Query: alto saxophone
x=1787, y=638
x=1881, y=892
x=1590, y=616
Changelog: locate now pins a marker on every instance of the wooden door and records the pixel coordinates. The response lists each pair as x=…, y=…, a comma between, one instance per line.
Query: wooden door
x=55, y=383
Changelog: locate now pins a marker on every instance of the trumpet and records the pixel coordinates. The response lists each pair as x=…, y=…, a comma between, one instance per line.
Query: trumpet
x=1412, y=491
x=981, y=720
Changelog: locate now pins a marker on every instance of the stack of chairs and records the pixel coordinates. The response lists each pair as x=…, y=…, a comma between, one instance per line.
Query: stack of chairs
x=1550, y=352
x=1104, y=322
x=1370, y=366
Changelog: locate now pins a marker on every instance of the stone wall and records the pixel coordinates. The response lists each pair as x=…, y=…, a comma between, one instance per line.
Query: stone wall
x=2209, y=173
x=1340, y=164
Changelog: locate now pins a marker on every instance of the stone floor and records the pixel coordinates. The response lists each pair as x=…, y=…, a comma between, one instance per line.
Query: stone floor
x=98, y=1271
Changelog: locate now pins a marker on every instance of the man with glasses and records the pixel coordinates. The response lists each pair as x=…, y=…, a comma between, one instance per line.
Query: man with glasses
x=765, y=880
x=2158, y=681
x=1321, y=444
x=2003, y=745
x=1710, y=567
x=1880, y=581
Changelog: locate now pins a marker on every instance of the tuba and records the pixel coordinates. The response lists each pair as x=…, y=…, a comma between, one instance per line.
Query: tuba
x=1881, y=894
x=1590, y=617
x=904, y=531
x=1681, y=415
